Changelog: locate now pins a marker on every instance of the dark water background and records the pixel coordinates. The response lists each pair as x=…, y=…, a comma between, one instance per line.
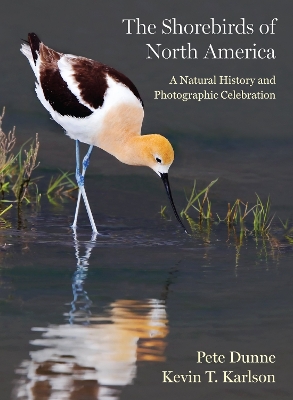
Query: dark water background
x=83, y=319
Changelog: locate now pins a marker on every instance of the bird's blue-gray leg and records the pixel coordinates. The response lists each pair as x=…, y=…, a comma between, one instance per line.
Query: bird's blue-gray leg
x=85, y=164
x=81, y=191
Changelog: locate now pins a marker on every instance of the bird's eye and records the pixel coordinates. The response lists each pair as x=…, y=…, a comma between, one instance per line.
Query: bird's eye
x=158, y=160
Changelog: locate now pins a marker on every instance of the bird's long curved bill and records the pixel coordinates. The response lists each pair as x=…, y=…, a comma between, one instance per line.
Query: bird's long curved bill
x=165, y=180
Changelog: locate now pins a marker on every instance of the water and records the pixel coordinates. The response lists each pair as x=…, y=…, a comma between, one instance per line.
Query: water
x=85, y=317
x=101, y=317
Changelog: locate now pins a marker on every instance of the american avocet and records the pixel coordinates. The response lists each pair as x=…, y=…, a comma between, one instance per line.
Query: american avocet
x=99, y=106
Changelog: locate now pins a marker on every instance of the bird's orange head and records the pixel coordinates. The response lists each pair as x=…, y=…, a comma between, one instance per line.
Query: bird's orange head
x=156, y=152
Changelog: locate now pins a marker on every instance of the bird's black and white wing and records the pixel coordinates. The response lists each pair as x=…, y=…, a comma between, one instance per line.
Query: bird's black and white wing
x=78, y=92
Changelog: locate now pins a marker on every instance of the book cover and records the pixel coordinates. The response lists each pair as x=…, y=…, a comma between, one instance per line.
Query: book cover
x=141, y=308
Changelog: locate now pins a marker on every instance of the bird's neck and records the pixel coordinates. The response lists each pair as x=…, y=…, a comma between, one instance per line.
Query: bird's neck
x=121, y=125
x=129, y=149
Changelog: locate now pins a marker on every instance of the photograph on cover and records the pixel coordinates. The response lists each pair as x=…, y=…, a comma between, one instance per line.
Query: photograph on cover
x=146, y=202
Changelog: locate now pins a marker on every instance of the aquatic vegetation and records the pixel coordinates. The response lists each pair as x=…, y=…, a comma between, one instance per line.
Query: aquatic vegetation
x=60, y=186
x=16, y=182
x=7, y=142
x=24, y=170
x=201, y=199
x=162, y=211
x=236, y=217
x=5, y=210
x=288, y=230
x=237, y=213
x=285, y=224
x=262, y=219
x=244, y=223
x=16, y=171
x=3, y=222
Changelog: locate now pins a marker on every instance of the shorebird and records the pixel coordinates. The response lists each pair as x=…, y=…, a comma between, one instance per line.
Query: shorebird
x=99, y=106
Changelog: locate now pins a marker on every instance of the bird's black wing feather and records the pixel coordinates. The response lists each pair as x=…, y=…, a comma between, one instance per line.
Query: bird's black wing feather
x=91, y=77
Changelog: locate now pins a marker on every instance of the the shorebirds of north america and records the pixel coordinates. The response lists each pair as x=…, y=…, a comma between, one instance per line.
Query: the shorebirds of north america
x=99, y=106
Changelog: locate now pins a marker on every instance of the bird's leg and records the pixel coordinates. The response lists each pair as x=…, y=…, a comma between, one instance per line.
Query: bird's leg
x=77, y=176
x=81, y=190
x=85, y=164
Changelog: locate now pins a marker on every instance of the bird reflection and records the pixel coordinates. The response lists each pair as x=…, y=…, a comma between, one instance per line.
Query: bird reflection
x=80, y=305
x=93, y=356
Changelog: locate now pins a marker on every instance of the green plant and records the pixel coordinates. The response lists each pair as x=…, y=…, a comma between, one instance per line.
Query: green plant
x=201, y=199
x=25, y=169
x=162, y=211
x=59, y=186
x=16, y=171
x=262, y=219
x=5, y=210
x=237, y=213
x=7, y=143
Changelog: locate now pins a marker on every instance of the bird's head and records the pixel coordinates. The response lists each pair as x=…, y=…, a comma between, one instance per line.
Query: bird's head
x=157, y=153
